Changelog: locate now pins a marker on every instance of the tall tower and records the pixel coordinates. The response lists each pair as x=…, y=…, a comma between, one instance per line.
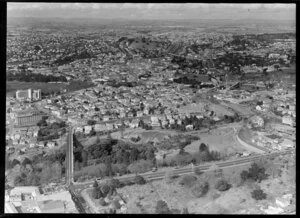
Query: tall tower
x=29, y=93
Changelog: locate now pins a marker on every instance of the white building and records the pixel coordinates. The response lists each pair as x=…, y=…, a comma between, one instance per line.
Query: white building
x=87, y=129
x=28, y=94
x=24, y=193
x=288, y=120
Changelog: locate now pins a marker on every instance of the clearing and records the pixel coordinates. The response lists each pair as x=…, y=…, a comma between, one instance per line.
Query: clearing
x=222, y=140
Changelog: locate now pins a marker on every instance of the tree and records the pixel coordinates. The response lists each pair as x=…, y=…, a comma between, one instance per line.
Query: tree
x=84, y=157
x=133, y=154
x=185, y=211
x=258, y=194
x=14, y=163
x=200, y=189
x=244, y=175
x=115, y=183
x=203, y=147
x=222, y=185
x=97, y=193
x=139, y=180
x=19, y=181
x=140, y=166
x=105, y=189
x=102, y=202
x=97, y=140
x=42, y=123
x=108, y=166
x=95, y=185
x=91, y=122
x=162, y=207
x=26, y=161
x=116, y=205
x=187, y=180
x=257, y=173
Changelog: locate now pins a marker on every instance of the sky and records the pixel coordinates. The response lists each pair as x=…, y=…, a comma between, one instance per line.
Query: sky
x=153, y=10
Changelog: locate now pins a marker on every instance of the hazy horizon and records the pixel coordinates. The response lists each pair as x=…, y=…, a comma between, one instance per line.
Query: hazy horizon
x=157, y=11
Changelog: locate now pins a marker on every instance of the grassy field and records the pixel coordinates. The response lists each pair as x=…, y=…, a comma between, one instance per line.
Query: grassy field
x=222, y=140
x=13, y=86
x=236, y=200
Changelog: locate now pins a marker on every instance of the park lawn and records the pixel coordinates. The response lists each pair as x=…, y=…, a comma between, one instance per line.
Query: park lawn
x=222, y=140
x=13, y=86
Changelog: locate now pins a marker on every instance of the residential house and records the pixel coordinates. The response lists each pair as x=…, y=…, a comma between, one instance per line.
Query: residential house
x=100, y=127
x=79, y=129
x=51, y=144
x=164, y=123
x=288, y=120
x=154, y=121
x=87, y=129
x=106, y=118
x=109, y=126
x=139, y=114
x=146, y=111
x=134, y=123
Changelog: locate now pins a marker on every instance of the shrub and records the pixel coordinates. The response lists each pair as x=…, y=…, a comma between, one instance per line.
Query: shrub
x=258, y=194
x=140, y=166
x=105, y=189
x=128, y=182
x=95, y=185
x=97, y=193
x=162, y=207
x=102, y=202
x=222, y=185
x=244, y=175
x=116, y=204
x=187, y=180
x=200, y=189
x=203, y=147
x=139, y=180
x=257, y=173
x=114, y=183
x=26, y=161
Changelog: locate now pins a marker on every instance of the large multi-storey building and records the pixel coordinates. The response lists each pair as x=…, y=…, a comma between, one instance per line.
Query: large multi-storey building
x=28, y=94
x=29, y=118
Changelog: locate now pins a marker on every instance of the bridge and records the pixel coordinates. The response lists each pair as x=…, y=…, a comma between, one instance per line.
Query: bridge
x=69, y=158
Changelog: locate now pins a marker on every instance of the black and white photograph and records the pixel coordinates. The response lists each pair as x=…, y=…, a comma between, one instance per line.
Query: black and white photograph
x=150, y=108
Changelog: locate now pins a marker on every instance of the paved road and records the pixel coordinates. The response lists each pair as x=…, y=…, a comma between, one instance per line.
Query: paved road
x=69, y=157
